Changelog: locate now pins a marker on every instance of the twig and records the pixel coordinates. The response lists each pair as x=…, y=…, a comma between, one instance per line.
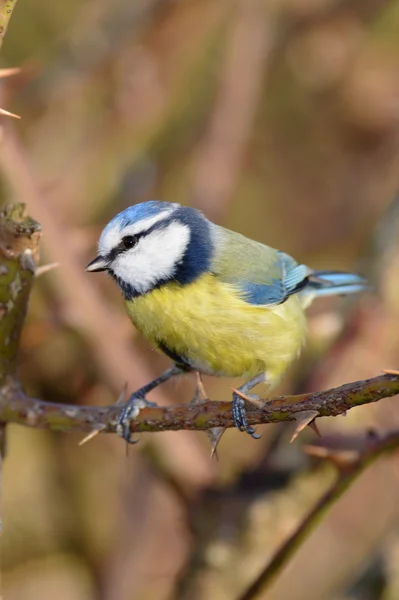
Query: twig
x=350, y=466
x=16, y=270
x=223, y=147
x=16, y=407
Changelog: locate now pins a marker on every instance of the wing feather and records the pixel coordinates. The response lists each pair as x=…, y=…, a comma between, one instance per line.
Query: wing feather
x=263, y=275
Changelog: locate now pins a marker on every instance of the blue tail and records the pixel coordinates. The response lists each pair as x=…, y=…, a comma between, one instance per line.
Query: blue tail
x=333, y=283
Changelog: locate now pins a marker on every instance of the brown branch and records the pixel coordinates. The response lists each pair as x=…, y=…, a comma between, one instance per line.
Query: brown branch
x=19, y=246
x=16, y=407
x=350, y=465
x=19, y=238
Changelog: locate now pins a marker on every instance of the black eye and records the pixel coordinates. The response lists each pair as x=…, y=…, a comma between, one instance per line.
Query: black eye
x=129, y=241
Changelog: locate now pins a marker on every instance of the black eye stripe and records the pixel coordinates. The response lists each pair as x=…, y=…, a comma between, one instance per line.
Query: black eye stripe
x=126, y=243
x=120, y=248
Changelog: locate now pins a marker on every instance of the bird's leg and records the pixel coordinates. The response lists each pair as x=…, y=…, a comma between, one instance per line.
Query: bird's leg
x=138, y=401
x=238, y=404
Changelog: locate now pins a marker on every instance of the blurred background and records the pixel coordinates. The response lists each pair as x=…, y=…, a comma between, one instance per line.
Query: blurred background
x=279, y=119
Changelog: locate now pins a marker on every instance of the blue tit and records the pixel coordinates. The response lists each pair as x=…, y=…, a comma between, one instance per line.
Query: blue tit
x=211, y=299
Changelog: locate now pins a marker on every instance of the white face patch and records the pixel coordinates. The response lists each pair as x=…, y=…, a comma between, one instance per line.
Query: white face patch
x=110, y=238
x=155, y=257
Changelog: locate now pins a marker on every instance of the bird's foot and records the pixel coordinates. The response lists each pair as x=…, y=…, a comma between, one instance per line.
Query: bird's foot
x=129, y=412
x=239, y=412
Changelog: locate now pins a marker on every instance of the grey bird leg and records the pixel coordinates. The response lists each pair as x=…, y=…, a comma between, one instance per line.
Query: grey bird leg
x=238, y=405
x=137, y=402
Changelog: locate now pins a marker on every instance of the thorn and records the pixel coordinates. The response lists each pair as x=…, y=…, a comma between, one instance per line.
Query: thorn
x=215, y=435
x=313, y=425
x=9, y=114
x=200, y=395
x=45, y=269
x=120, y=400
x=317, y=451
x=200, y=387
x=303, y=419
x=390, y=371
x=343, y=460
x=255, y=401
x=9, y=72
x=91, y=435
x=241, y=394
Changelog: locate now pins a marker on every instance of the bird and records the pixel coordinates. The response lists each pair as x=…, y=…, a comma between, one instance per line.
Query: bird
x=214, y=301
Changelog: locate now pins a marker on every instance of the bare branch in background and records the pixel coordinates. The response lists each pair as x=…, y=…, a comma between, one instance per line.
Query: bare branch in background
x=350, y=465
x=222, y=150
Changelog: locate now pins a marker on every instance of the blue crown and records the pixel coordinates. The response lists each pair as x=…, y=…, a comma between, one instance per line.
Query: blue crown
x=137, y=212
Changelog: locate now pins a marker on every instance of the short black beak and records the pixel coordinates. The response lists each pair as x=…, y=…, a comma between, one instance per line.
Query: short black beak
x=98, y=264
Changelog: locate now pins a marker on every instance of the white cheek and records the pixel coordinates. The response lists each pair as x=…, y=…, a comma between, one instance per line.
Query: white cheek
x=155, y=257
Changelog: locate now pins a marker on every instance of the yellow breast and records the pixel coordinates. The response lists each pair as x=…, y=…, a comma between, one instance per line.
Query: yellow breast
x=217, y=332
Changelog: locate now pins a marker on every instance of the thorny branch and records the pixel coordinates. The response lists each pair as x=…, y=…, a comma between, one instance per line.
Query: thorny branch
x=350, y=465
x=16, y=407
x=19, y=240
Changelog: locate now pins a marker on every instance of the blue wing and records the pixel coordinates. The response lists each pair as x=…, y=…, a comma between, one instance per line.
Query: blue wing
x=290, y=279
x=265, y=276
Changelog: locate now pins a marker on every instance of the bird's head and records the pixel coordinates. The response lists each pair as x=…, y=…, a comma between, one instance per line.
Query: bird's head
x=150, y=244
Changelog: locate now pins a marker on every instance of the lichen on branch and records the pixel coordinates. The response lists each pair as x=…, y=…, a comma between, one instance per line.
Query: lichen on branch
x=17, y=408
x=19, y=248
x=6, y=10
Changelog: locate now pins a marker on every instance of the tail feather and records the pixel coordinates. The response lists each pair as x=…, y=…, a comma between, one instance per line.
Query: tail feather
x=332, y=283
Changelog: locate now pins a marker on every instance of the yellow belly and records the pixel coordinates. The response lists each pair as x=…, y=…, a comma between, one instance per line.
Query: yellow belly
x=217, y=332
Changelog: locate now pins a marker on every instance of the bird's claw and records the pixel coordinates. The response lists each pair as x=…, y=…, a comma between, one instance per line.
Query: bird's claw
x=240, y=415
x=129, y=412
